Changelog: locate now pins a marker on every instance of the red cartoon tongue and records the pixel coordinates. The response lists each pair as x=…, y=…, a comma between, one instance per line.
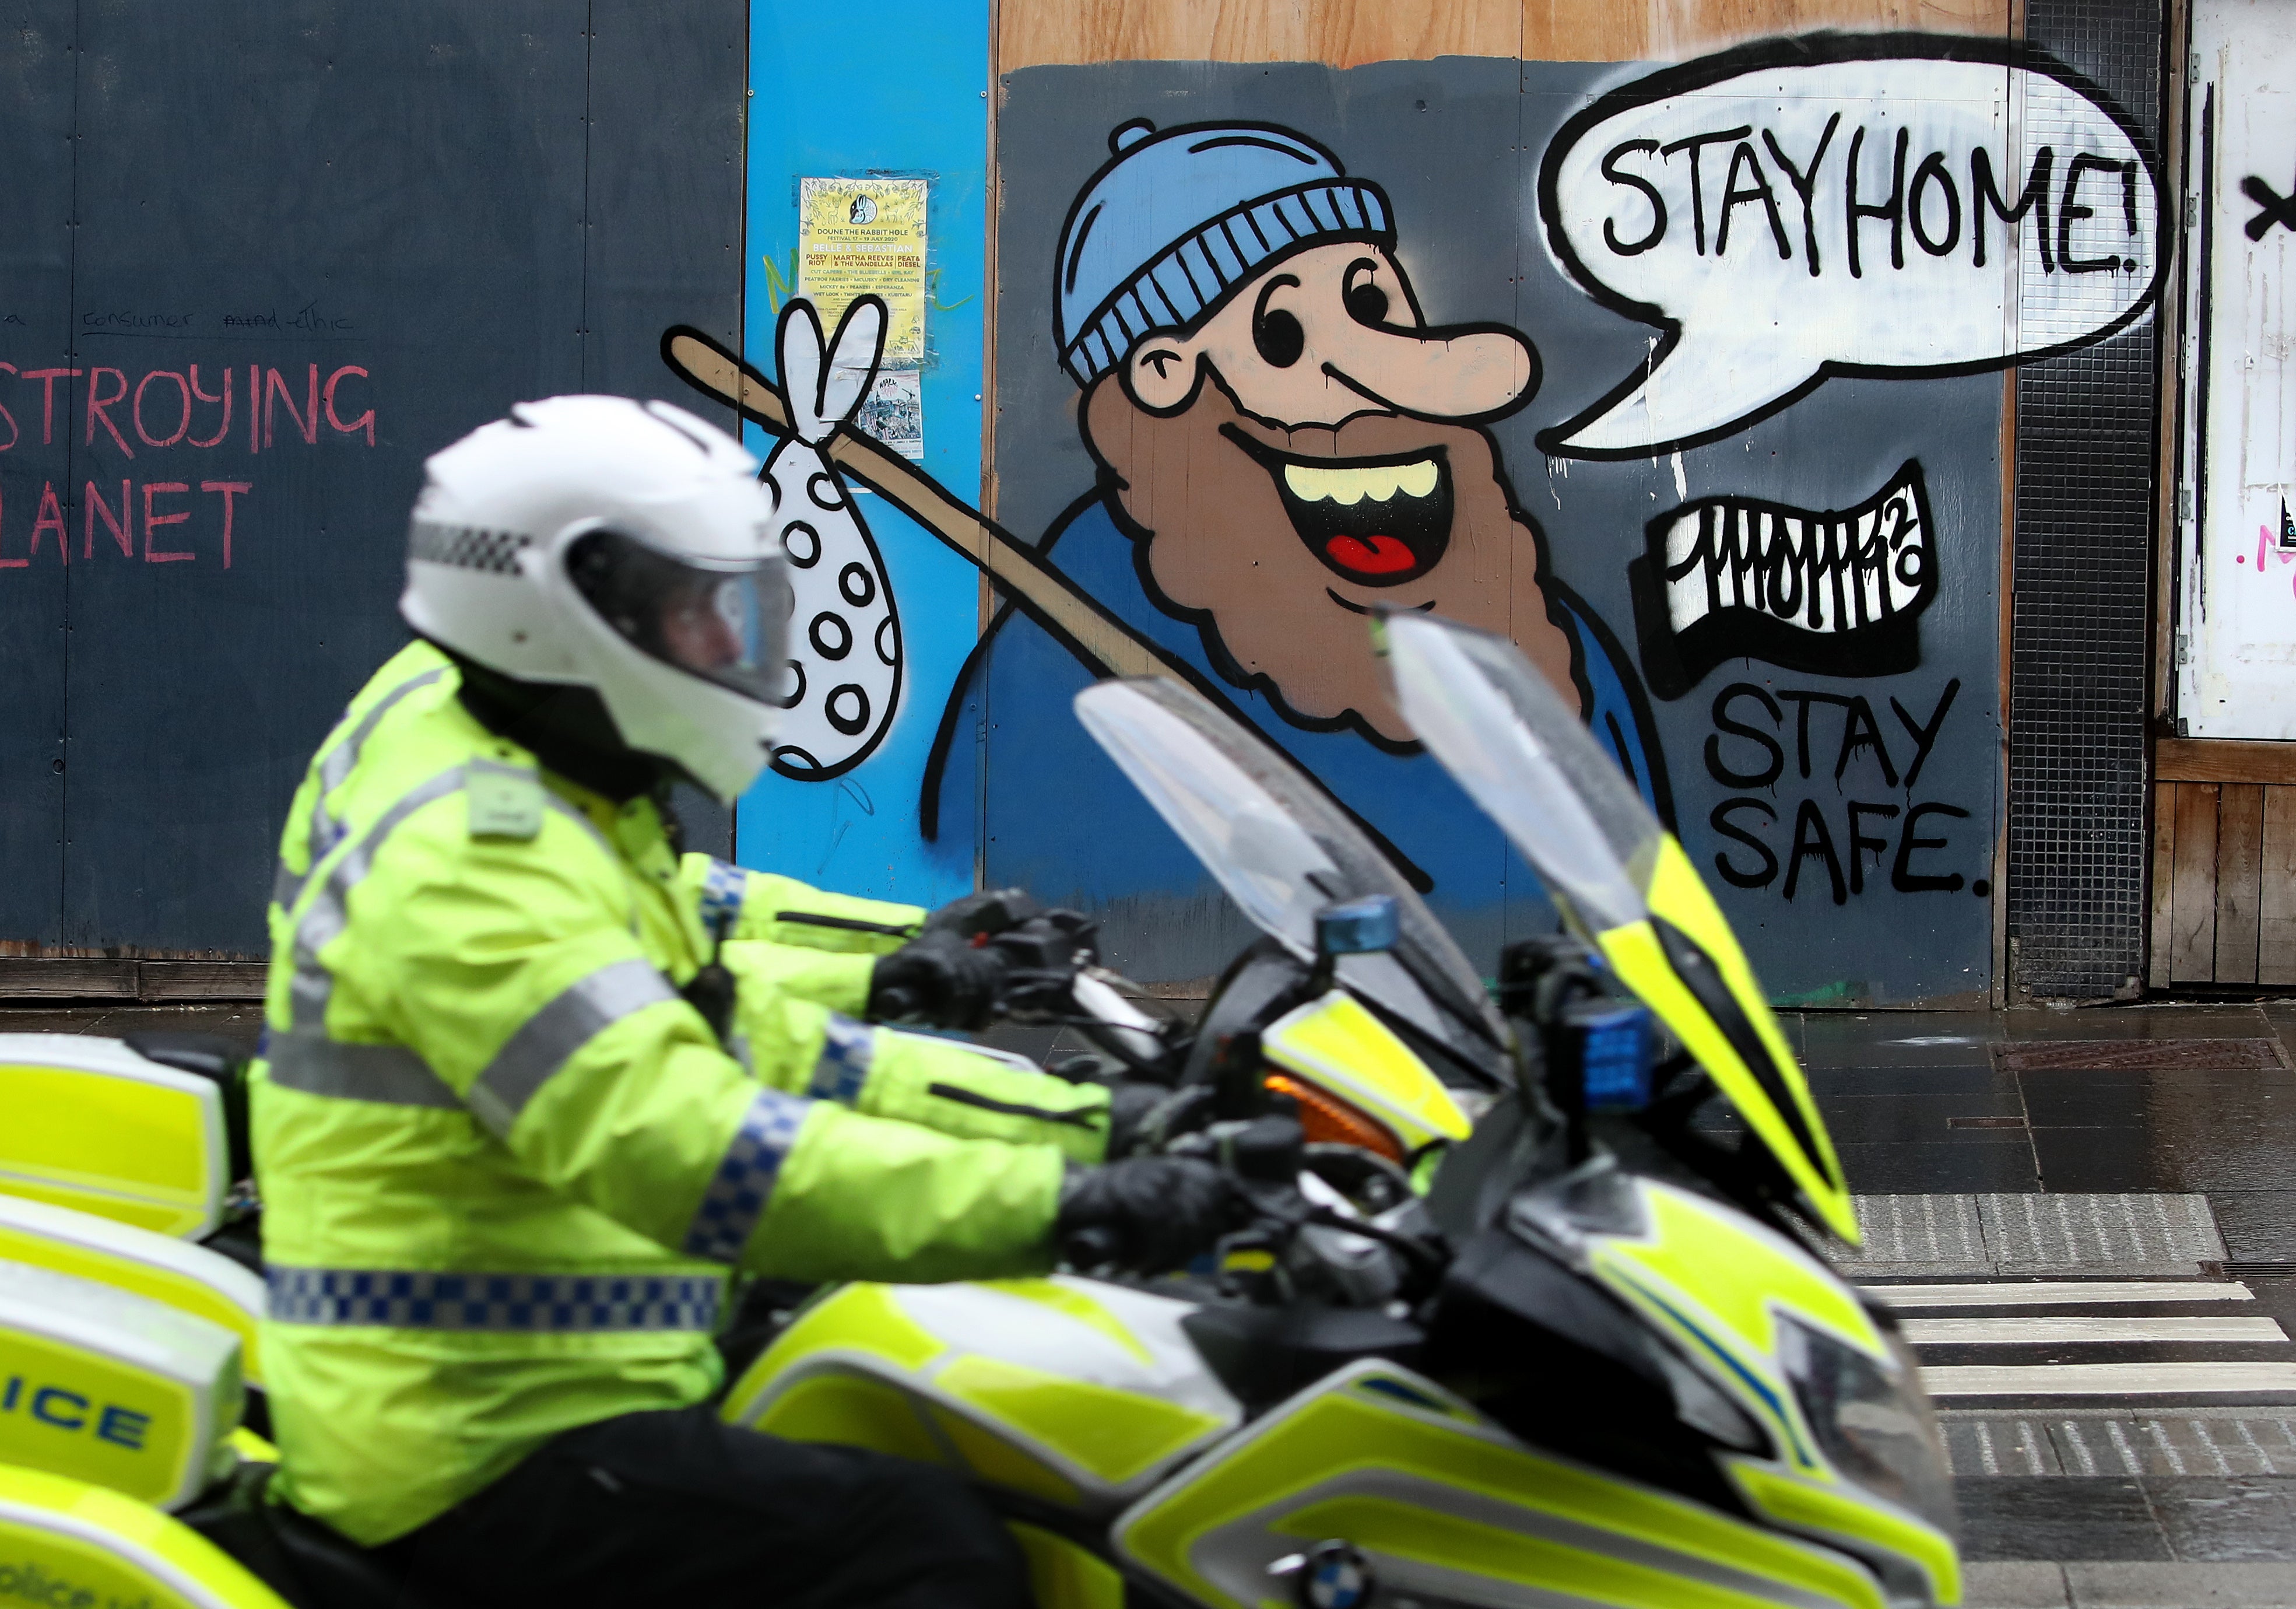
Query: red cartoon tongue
x=1373, y=556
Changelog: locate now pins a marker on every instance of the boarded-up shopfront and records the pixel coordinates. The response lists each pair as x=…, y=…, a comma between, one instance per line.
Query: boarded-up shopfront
x=1785, y=380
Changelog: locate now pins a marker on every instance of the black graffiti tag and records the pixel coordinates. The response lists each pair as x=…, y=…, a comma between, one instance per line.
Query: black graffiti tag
x=2272, y=206
x=1910, y=838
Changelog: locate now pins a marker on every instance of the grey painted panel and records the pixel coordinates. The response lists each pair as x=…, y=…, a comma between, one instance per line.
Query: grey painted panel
x=399, y=189
x=36, y=85
x=664, y=242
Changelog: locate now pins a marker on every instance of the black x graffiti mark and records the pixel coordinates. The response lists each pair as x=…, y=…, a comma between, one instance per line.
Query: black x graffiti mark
x=2275, y=209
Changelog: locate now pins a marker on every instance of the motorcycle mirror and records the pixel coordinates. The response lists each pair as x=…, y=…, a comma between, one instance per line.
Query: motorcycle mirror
x=1357, y=927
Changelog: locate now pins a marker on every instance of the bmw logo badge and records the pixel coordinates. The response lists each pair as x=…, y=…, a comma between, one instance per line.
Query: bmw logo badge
x=1335, y=1576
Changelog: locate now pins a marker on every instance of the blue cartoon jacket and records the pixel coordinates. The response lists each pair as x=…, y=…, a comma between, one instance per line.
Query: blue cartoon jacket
x=1063, y=821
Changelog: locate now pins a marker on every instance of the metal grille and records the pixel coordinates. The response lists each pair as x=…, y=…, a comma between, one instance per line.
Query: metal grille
x=2086, y=430
x=2108, y=1056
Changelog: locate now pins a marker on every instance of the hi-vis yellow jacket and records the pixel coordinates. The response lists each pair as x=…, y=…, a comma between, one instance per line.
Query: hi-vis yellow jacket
x=506, y=1171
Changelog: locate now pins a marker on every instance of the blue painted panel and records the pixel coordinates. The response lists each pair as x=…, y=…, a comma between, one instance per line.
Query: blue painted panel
x=904, y=93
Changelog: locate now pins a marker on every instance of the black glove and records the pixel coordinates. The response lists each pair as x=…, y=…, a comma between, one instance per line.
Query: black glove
x=991, y=911
x=1149, y=1213
x=1131, y=1104
x=939, y=977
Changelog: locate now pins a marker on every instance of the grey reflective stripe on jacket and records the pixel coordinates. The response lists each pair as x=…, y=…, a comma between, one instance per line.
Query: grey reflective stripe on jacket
x=550, y=1038
x=425, y=1300
x=328, y=913
x=335, y=768
x=388, y=1075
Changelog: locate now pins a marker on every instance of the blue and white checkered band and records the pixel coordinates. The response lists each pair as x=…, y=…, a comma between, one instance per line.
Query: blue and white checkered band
x=561, y=1304
x=846, y=1054
x=723, y=889
x=737, y=1196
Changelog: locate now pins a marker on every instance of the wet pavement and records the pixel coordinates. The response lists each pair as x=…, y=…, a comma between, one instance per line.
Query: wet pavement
x=2131, y=1171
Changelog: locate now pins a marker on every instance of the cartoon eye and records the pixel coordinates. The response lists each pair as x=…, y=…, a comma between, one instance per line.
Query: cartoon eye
x=1276, y=332
x=1367, y=303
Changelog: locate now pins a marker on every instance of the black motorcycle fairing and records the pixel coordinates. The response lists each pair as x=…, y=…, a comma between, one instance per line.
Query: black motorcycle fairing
x=1268, y=979
x=1479, y=1176
x=213, y=1057
x=1263, y=1354
x=1258, y=986
x=1560, y=1364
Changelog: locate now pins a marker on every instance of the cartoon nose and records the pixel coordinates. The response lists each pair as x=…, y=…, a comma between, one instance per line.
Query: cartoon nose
x=1460, y=371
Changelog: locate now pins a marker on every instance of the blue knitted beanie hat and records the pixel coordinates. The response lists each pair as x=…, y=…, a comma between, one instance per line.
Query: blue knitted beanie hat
x=1176, y=221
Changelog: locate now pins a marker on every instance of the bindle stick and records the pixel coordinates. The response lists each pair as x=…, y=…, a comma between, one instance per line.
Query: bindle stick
x=1010, y=566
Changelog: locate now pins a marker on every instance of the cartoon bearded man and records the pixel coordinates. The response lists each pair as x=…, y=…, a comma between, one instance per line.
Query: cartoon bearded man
x=1285, y=444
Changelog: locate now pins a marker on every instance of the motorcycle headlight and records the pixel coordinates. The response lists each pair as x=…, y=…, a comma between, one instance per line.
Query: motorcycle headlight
x=1872, y=1423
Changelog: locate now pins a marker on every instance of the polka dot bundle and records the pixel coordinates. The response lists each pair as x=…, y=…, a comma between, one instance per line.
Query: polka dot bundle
x=843, y=680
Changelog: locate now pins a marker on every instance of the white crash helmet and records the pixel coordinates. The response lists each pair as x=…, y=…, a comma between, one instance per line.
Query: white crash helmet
x=623, y=547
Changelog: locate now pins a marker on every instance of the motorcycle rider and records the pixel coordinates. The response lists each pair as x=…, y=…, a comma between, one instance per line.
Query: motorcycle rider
x=507, y=1165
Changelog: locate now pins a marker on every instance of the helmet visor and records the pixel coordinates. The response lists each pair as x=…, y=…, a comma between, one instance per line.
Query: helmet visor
x=725, y=623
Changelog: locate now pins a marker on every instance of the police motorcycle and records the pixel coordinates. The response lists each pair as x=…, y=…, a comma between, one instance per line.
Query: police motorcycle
x=1575, y=1350
x=1592, y=1355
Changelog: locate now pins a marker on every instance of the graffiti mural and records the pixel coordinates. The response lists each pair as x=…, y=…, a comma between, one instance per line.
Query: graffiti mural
x=1278, y=347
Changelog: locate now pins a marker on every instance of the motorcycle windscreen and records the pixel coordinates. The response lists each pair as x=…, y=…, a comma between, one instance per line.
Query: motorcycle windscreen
x=1621, y=881
x=1284, y=851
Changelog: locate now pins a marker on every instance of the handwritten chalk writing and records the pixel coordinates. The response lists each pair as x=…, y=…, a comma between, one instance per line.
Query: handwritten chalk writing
x=123, y=535
x=153, y=520
x=223, y=428
x=334, y=423
x=306, y=319
x=306, y=422
x=47, y=379
x=97, y=403
x=311, y=400
x=135, y=321
x=114, y=514
x=184, y=420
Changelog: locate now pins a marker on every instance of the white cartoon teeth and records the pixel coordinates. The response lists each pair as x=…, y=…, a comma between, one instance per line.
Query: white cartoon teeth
x=843, y=682
x=1349, y=486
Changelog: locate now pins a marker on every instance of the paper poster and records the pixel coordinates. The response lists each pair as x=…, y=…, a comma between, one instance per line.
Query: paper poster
x=894, y=413
x=858, y=237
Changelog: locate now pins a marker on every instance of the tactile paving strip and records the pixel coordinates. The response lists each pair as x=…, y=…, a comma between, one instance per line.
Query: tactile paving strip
x=2133, y=1235
x=2081, y=1445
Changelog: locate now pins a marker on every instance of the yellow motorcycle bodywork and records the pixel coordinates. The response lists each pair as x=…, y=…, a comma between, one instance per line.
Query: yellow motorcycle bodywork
x=93, y=1126
x=1336, y=1044
x=1101, y=1414
x=1715, y=1284
x=1069, y=1392
x=73, y=1545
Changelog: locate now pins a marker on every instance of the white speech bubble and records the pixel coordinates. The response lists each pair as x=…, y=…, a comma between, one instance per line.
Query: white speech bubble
x=2005, y=211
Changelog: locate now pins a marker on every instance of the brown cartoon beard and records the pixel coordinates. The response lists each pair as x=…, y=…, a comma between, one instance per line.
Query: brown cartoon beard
x=1250, y=525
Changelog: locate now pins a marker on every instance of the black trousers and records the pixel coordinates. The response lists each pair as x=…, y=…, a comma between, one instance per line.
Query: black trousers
x=680, y=1507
